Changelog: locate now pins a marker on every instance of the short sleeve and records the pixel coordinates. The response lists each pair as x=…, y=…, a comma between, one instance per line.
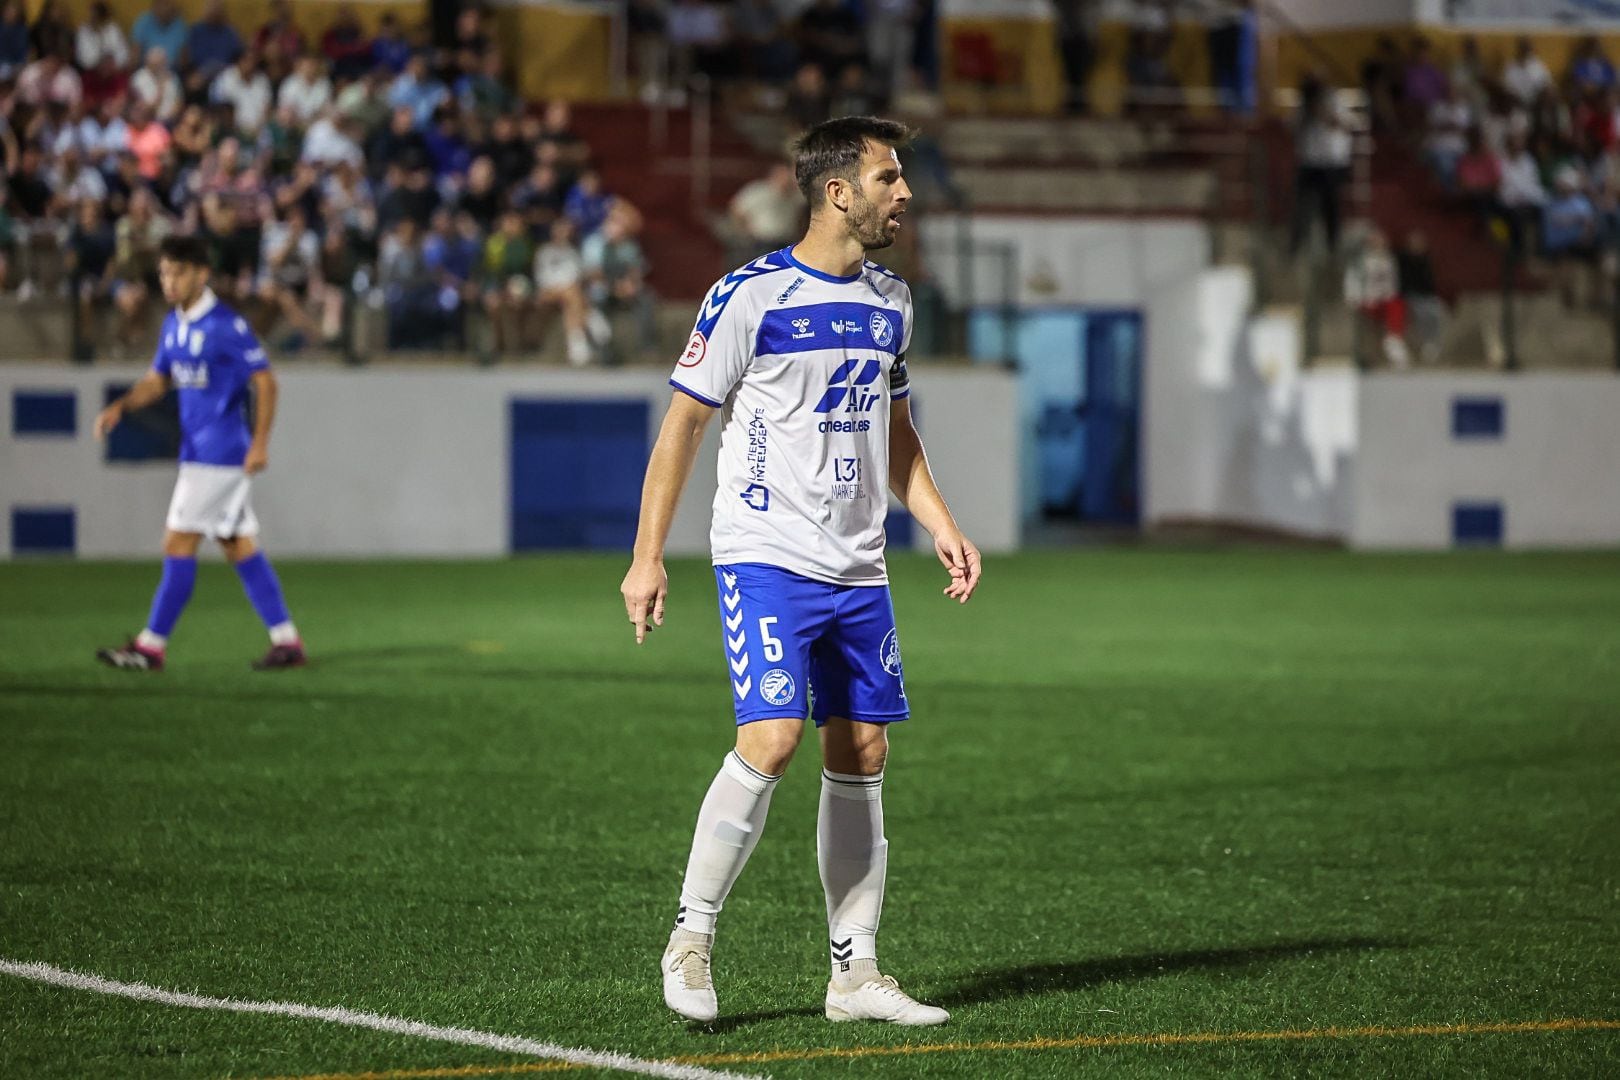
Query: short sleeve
x=160, y=359
x=720, y=348
x=247, y=345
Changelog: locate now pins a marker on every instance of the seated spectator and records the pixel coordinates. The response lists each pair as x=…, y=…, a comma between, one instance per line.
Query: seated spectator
x=1372, y=287
x=345, y=46
x=1520, y=193
x=306, y=91
x=365, y=100
x=557, y=132
x=1446, y=140
x=698, y=37
x=1525, y=77
x=447, y=149
x=765, y=215
x=90, y=249
x=540, y=198
x=73, y=183
x=389, y=48
x=829, y=34
x=398, y=144
x=107, y=81
x=14, y=43
x=587, y=204
x=135, y=262
x=415, y=196
x=212, y=46
x=157, y=87
x=559, y=278
x=282, y=139
x=853, y=96
x=809, y=101
x=52, y=35
x=193, y=134
x=1426, y=310
x=1569, y=230
x=1590, y=71
x=300, y=188
x=508, y=288
x=122, y=183
x=453, y=253
x=418, y=90
x=100, y=38
x=149, y=140
x=280, y=33
x=338, y=264
x=482, y=197
x=330, y=141
x=1479, y=174
x=161, y=27
x=233, y=247
x=482, y=91
x=49, y=80
x=470, y=35
x=289, y=258
x=30, y=189
x=512, y=154
x=616, y=274
x=411, y=298
x=347, y=195
x=103, y=135
x=1423, y=84
x=247, y=90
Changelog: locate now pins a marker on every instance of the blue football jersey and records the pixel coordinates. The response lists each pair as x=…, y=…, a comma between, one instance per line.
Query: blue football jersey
x=209, y=354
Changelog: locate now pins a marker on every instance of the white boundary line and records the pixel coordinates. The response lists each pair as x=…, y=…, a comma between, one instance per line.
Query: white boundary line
x=506, y=1044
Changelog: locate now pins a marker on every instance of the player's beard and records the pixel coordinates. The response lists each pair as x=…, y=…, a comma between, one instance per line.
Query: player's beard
x=868, y=225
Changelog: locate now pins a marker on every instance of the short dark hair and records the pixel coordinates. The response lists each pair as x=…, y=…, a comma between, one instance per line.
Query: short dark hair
x=834, y=148
x=191, y=250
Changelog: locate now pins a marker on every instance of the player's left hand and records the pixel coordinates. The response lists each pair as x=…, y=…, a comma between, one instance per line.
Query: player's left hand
x=958, y=555
x=258, y=458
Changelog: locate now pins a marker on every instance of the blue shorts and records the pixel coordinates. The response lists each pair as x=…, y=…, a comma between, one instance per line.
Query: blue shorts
x=797, y=647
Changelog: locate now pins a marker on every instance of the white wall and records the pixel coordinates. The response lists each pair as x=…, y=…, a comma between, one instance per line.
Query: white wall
x=1072, y=261
x=1338, y=14
x=414, y=460
x=1234, y=431
x=1556, y=469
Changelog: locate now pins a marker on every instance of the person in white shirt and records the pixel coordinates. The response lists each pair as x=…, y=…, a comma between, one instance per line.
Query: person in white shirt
x=801, y=354
x=103, y=135
x=158, y=87
x=1372, y=286
x=559, y=278
x=1525, y=77
x=245, y=88
x=330, y=141
x=306, y=91
x=100, y=37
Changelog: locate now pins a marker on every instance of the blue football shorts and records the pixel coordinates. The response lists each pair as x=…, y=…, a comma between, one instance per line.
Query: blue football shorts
x=797, y=647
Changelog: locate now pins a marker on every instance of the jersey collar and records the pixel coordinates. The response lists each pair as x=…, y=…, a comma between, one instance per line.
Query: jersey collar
x=787, y=253
x=205, y=303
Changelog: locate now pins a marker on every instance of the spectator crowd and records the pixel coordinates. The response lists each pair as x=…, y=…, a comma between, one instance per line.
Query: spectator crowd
x=353, y=167
x=1536, y=154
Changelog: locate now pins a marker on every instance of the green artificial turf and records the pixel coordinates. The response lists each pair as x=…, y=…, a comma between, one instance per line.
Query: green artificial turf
x=1143, y=792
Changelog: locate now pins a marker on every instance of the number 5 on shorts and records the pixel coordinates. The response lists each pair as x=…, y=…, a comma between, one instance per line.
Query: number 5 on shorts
x=773, y=645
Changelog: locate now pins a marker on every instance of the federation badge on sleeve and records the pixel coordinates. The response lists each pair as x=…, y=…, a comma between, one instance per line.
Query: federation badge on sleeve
x=696, y=349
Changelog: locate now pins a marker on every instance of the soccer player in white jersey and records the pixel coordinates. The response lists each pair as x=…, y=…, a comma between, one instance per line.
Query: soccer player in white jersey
x=802, y=352
x=210, y=355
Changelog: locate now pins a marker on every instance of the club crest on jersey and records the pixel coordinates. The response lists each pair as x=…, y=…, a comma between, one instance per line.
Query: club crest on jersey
x=882, y=332
x=801, y=329
x=889, y=653
x=776, y=687
x=696, y=350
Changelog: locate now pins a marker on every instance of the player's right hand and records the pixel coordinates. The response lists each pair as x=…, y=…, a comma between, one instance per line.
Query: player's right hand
x=644, y=589
x=108, y=419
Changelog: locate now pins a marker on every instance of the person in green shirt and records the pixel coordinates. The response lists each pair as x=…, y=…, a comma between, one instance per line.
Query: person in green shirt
x=508, y=287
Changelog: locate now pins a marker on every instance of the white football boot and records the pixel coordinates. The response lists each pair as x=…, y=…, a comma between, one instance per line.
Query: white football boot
x=881, y=998
x=688, y=985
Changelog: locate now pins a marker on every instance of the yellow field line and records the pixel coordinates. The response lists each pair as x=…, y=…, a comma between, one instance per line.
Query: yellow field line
x=1075, y=1042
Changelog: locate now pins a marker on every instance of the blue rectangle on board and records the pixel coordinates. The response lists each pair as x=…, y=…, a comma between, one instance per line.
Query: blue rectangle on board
x=1477, y=524
x=1477, y=417
x=42, y=530
x=577, y=467
x=44, y=412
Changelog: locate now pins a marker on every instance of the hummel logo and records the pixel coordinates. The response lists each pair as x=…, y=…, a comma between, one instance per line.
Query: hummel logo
x=842, y=950
x=802, y=329
x=844, y=327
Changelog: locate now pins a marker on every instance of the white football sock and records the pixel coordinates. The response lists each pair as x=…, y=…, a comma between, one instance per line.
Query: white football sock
x=728, y=827
x=854, y=860
x=148, y=640
x=284, y=634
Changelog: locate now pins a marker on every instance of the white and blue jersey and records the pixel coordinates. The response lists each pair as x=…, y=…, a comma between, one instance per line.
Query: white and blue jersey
x=803, y=366
x=209, y=354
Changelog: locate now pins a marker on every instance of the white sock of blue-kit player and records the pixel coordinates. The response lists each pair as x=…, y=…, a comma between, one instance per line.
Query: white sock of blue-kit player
x=728, y=827
x=854, y=860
